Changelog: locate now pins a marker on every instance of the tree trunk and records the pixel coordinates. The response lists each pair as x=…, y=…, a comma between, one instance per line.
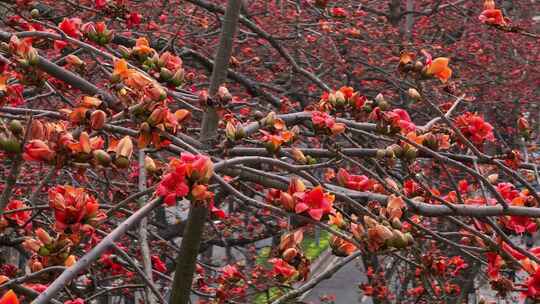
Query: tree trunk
x=189, y=249
x=143, y=227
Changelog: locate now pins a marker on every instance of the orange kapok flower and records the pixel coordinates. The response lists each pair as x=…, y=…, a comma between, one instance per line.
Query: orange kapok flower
x=341, y=247
x=3, y=83
x=439, y=68
x=74, y=208
x=9, y=298
x=142, y=47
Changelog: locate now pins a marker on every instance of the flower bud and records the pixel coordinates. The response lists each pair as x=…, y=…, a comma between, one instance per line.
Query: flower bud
x=70, y=261
x=343, y=177
x=358, y=231
x=380, y=154
x=230, y=131
x=398, y=239
x=240, y=133
x=298, y=156
x=91, y=102
x=289, y=254
x=43, y=236
x=157, y=116
x=182, y=115
x=31, y=245
x=37, y=130
x=43, y=251
x=370, y=222
x=121, y=162
x=102, y=158
x=414, y=94
x=410, y=153
x=178, y=77
x=224, y=95
x=492, y=178
x=409, y=239
x=124, y=147
x=154, y=60
x=149, y=164
x=203, y=98
x=340, y=98
x=418, y=66
x=74, y=60
x=10, y=144
x=270, y=119
x=430, y=141
x=124, y=51
x=89, y=30
x=145, y=127
x=35, y=266
x=287, y=201
x=383, y=232
x=84, y=141
x=396, y=223
x=397, y=150
x=157, y=93
x=97, y=119
x=341, y=247
x=337, y=128
x=165, y=74
x=32, y=56
x=296, y=185
x=16, y=127
x=379, y=98
x=332, y=98
x=34, y=13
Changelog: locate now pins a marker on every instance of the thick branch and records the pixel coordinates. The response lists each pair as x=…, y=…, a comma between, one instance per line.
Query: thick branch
x=187, y=257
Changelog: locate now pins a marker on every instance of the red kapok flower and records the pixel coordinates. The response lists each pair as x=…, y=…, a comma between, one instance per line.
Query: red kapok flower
x=70, y=26
x=475, y=128
x=109, y=263
x=323, y=121
x=520, y=224
x=37, y=150
x=316, y=202
x=533, y=285
x=188, y=168
x=492, y=16
x=20, y=217
x=158, y=264
x=173, y=185
x=495, y=262
x=356, y=182
x=99, y=4
x=282, y=269
x=133, y=20
x=339, y=12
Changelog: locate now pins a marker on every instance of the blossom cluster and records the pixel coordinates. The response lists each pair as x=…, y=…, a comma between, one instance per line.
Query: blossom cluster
x=315, y=202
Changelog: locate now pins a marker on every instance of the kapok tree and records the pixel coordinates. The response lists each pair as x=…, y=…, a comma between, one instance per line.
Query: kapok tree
x=340, y=119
